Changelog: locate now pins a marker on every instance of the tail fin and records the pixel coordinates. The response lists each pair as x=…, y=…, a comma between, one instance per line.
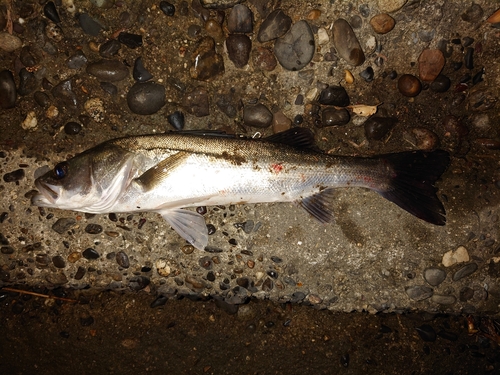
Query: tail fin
x=412, y=185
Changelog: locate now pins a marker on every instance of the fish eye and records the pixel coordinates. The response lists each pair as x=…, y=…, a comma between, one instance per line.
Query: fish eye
x=61, y=170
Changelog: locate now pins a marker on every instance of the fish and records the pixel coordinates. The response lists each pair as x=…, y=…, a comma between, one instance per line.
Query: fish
x=169, y=173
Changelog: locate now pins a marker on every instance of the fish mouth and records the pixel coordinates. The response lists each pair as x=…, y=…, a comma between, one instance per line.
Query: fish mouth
x=47, y=195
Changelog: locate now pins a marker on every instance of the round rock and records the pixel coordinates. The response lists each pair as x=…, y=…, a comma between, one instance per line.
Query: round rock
x=258, y=116
x=276, y=24
x=238, y=49
x=240, y=20
x=465, y=271
x=430, y=64
x=377, y=128
x=8, y=93
x=382, y=23
x=434, y=276
x=9, y=43
x=296, y=48
x=346, y=43
x=419, y=292
x=146, y=98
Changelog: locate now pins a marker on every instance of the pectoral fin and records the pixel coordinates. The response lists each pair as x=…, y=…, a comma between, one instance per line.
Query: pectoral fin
x=319, y=205
x=153, y=176
x=189, y=225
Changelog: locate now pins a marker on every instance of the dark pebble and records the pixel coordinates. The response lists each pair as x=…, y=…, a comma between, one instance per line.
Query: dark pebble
x=140, y=73
x=58, y=278
x=478, y=77
x=276, y=24
x=58, y=261
x=3, y=240
x=63, y=224
x=276, y=259
x=297, y=297
x=268, y=285
x=229, y=308
x=247, y=226
x=27, y=57
x=298, y=119
x=77, y=61
x=108, y=70
x=138, y=283
x=122, y=259
x=334, y=117
x=211, y=276
x=64, y=93
x=8, y=93
x=146, y=98
x=90, y=254
x=272, y=274
x=377, y=128
x=6, y=250
x=50, y=11
x=176, y=119
x=346, y=43
x=109, y=48
x=426, y=333
x=441, y=84
x=80, y=273
x=443, y=299
x=334, y=95
x=451, y=336
x=27, y=82
x=419, y=292
x=226, y=104
x=211, y=229
x=202, y=210
x=89, y=25
x=161, y=300
x=469, y=58
x=205, y=262
x=206, y=62
x=196, y=102
x=473, y=14
x=72, y=128
x=367, y=74
x=14, y=176
x=344, y=360
x=109, y=88
x=42, y=99
x=257, y=115
x=167, y=8
x=240, y=19
x=42, y=260
x=465, y=271
x=130, y=40
x=238, y=49
x=263, y=58
x=194, y=31
x=409, y=85
x=296, y=48
x=93, y=228
x=64, y=334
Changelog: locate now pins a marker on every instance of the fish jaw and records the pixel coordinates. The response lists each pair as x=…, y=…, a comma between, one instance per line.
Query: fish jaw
x=47, y=196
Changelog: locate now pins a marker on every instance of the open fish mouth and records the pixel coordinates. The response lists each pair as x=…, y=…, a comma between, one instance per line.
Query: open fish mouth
x=47, y=194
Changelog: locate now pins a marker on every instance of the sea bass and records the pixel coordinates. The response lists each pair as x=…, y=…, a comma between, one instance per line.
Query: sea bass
x=167, y=173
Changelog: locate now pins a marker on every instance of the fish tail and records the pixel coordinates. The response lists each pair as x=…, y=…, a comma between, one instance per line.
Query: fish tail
x=411, y=185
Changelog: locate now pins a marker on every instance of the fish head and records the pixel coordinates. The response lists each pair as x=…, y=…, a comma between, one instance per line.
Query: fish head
x=89, y=182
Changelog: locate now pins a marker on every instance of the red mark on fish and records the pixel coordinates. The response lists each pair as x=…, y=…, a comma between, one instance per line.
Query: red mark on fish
x=276, y=168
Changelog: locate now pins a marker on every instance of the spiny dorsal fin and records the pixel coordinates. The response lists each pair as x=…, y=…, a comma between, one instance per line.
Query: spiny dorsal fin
x=295, y=137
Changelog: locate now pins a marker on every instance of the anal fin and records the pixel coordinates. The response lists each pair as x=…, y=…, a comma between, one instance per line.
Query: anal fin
x=319, y=205
x=189, y=225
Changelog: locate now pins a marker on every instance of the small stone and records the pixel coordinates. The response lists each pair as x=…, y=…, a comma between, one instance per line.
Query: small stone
x=196, y=102
x=9, y=43
x=95, y=109
x=323, y=37
x=409, y=85
x=443, y=299
x=89, y=25
x=140, y=73
x=346, y=43
x=90, y=254
x=238, y=49
x=14, y=176
x=27, y=82
x=58, y=278
x=296, y=48
x=207, y=64
x=473, y=14
x=377, y=128
x=58, y=261
x=465, y=271
x=167, y=8
x=334, y=95
x=50, y=11
x=452, y=257
x=280, y=122
x=108, y=70
x=441, y=84
x=122, y=259
x=80, y=273
x=276, y=24
x=367, y=74
x=334, y=117
x=162, y=267
x=214, y=29
x=109, y=48
x=63, y=224
x=64, y=94
x=72, y=128
x=390, y=6
x=146, y=98
x=423, y=138
x=8, y=93
x=176, y=119
x=430, y=64
x=130, y=40
x=42, y=260
x=74, y=257
x=109, y=88
x=264, y=59
x=434, y=276
x=240, y=19
x=382, y=23
x=77, y=61
x=257, y=116
x=419, y=292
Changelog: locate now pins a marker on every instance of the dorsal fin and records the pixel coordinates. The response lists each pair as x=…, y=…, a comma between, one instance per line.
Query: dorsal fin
x=295, y=137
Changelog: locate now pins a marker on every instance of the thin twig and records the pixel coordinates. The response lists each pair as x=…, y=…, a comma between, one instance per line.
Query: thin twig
x=38, y=294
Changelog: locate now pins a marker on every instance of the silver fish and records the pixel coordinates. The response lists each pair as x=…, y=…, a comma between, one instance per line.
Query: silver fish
x=166, y=173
